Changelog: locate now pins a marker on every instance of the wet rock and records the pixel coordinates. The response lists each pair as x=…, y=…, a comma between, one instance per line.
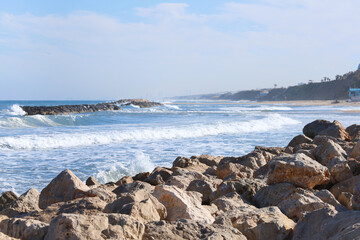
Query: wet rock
x=63, y=187
x=26, y=203
x=91, y=181
x=297, y=169
x=182, y=204
x=6, y=198
x=299, y=139
x=188, y=229
x=95, y=227
x=328, y=224
x=263, y=223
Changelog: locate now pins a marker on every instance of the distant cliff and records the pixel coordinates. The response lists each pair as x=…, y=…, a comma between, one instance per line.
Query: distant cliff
x=325, y=90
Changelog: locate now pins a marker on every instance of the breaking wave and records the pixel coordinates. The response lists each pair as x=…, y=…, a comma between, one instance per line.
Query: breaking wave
x=78, y=139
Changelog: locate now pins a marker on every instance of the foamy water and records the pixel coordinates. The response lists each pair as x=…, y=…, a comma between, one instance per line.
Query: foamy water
x=109, y=145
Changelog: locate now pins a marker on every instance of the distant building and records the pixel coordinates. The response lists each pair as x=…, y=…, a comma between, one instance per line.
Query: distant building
x=354, y=94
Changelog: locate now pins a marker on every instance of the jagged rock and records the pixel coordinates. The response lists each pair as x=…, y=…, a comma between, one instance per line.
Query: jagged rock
x=354, y=132
x=26, y=229
x=26, y=203
x=351, y=186
x=339, y=169
x=355, y=153
x=261, y=223
x=205, y=187
x=299, y=139
x=272, y=150
x=139, y=189
x=298, y=169
x=272, y=195
x=247, y=188
x=328, y=224
x=6, y=198
x=327, y=128
x=63, y=187
x=91, y=181
x=187, y=229
x=182, y=204
x=229, y=201
x=182, y=178
x=226, y=168
x=328, y=150
x=141, y=176
x=149, y=209
x=159, y=176
x=304, y=146
x=208, y=160
x=95, y=227
x=101, y=192
x=327, y=197
x=124, y=180
x=191, y=164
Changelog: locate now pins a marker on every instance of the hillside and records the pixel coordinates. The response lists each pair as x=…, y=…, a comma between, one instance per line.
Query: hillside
x=327, y=90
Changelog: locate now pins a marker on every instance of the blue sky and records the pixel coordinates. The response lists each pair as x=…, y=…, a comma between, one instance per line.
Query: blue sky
x=153, y=49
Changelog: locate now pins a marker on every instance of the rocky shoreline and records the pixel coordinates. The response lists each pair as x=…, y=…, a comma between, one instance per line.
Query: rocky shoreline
x=82, y=108
x=307, y=190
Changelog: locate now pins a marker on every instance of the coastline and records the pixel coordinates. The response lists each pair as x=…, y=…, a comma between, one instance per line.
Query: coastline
x=247, y=197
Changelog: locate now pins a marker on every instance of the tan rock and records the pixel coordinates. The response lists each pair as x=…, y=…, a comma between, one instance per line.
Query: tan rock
x=26, y=229
x=188, y=229
x=339, y=169
x=124, y=180
x=6, y=237
x=206, y=187
x=91, y=181
x=328, y=150
x=272, y=195
x=229, y=201
x=182, y=178
x=299, y=139
x=95, y=227
x=182, y=204
x=208, y=160
x=297, y=169
x=26, y=203
x=102, y=193
x=191, y=164
x=6, y=198
x=226, y=168
x=355, y=153
x=139, y=189
x=159, y=176
x=261, y=223
x=62, y=188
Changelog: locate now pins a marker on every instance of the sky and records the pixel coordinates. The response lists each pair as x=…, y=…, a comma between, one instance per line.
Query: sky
x=110, y=49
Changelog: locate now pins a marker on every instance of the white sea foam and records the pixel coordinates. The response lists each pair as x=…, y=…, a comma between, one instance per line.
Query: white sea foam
x=63, y=140
x=141, y=163
x=16, y=110
x=172, y=106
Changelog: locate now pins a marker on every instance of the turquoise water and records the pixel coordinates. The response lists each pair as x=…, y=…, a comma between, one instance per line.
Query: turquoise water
x=109, y=145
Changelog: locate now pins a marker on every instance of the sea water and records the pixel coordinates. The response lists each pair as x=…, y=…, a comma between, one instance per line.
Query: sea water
x=109, y=145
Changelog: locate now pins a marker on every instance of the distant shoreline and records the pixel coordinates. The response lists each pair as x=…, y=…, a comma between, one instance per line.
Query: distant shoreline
x=292, y=102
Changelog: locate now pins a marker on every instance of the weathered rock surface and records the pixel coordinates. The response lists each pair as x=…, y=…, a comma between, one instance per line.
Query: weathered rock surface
x=299, y=139
x=95, y=227
x=182, y=204
x=327, y=128
x=261, y=223
x=328, y=224
x=6, y=198
x=62, y=188
x=299, y=170
x=348, y=192
x=189, y=229
x=354, y=132
x=26, y=229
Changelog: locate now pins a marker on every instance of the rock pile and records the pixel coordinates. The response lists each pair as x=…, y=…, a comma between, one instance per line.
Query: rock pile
x=307, y=190
x=82, y=108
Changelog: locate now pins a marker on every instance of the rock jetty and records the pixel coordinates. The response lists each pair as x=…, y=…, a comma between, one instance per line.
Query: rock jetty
x=82, y=108
x=308, y=189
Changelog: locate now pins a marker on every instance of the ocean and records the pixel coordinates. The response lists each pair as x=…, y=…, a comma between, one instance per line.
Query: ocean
x=109, y=145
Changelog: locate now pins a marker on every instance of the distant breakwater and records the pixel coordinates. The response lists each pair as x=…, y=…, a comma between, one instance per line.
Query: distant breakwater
x=82, y=108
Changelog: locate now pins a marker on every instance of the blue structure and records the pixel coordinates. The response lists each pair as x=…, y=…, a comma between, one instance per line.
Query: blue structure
x=354, y=94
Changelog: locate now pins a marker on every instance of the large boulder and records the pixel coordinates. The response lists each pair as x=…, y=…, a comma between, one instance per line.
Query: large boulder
x=95, y=227
x=297, y=169
x=206, y=187
x=328, y=150
x=224, y=169
x=182, y=204
x=355, y=152
x=139, y=189
x=159, y=176
x=327, y=128
x=328, y=224
x=263, y=223
x=64, y=187
x=354, y=132
x=229, y=201
x=189, y=229
x=26, y=203
x=191, y=164
x=182, y=178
